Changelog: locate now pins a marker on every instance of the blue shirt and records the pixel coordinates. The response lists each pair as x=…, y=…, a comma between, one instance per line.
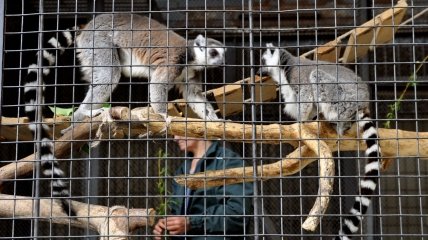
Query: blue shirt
x=217, y=210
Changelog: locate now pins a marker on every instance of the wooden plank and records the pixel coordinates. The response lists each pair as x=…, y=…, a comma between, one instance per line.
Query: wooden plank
x=376, y=31
x=265, y=90
x=229, y=99
x=328, y=52
x=388, y=23
x=358, y=44
x=385, y=28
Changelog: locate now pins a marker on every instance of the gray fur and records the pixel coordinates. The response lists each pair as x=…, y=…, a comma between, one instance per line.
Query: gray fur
x=135, y=46
x=324, y=90
x=317, y=87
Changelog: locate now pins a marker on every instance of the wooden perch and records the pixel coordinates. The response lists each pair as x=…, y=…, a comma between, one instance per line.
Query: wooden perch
x=121, y=122
x=11, y=126
x=62, y=147
x=141, y=121
x=116, y=222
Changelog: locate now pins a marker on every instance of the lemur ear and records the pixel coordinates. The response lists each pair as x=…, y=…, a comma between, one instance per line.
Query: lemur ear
x=200, y=41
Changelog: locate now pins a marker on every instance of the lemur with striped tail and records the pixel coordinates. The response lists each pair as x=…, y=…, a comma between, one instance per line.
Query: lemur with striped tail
x=111, y=45
x=319, y=89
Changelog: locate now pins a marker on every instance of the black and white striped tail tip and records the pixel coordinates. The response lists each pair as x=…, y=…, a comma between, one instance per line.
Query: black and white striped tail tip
x=51, y=170
x=368, y=183
x=54, y=47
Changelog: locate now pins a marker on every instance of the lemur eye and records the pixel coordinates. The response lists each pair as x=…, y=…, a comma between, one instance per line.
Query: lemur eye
x=213, y=53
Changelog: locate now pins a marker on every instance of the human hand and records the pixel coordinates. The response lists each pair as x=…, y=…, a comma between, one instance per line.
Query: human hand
x=174, y=225
x=158, y=229
x=177, y=225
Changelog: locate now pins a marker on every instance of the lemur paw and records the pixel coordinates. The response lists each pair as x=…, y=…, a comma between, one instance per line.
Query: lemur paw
x=91, y=113
x=211, y=116
x=80, y=115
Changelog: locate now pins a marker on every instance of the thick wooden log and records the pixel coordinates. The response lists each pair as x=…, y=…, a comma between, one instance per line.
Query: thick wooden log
x=116, y=221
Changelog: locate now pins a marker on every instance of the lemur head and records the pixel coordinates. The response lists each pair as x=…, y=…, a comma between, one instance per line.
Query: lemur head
x=270, y=60
x=208, y=52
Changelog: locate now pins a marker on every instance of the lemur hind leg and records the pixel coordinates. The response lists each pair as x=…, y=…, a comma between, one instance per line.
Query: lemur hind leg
x=100, y=67
x=159, y=87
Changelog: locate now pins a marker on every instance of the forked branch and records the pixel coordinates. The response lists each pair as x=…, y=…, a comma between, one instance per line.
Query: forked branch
x=143, y=122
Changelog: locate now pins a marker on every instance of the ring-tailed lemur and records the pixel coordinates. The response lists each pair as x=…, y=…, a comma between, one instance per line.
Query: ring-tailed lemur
x=54, y=47
x=132, y=45
x=338, y=94
x=138, y=46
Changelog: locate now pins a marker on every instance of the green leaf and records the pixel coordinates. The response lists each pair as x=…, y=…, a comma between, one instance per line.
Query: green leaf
x=61, y=111
x=390, y=115
x=106, y=105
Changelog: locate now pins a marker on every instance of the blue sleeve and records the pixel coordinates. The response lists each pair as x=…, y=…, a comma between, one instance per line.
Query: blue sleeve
x=228, y=215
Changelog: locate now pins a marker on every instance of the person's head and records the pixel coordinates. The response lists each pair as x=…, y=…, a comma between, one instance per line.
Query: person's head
x=191, y=144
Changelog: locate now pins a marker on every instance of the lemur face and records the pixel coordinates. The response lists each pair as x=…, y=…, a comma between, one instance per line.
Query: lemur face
x=215, y=56
x=209, y=52
x=270, y=60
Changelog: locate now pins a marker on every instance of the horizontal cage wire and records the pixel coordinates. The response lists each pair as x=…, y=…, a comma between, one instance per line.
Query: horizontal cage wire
x=213, y=119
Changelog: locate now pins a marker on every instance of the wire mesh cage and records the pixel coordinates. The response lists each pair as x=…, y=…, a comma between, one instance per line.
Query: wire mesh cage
x=213, y=119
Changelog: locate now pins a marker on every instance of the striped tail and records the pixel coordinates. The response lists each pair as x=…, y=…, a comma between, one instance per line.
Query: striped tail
x=368, y=183
x=49, y=164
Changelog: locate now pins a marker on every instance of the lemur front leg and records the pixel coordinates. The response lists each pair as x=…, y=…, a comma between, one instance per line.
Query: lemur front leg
x=192, y=93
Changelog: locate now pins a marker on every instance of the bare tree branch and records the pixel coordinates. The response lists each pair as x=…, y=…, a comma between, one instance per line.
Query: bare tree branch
x=116, y=221
x=316, y=140
x=141, y=121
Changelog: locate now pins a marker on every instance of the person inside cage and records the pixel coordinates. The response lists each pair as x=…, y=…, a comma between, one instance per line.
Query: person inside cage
x=212, y=212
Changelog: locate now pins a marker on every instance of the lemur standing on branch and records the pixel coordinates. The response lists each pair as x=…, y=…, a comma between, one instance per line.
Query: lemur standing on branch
x=320, y=89
x=132, y=45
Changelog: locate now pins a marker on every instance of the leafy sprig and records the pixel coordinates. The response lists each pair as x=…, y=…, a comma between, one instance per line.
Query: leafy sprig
x=396, y=106
x=161, y=186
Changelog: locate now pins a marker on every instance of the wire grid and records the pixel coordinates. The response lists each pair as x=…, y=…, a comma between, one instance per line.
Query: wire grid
x=124, y=171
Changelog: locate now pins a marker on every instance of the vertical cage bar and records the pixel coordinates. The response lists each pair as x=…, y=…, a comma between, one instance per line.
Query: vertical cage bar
x=38, y=137
x=2, y=16
x=253, y=119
